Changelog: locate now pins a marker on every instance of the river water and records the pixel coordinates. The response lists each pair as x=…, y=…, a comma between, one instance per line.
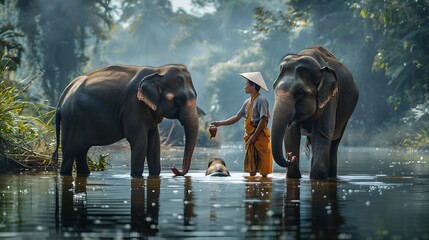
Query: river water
x=379, y=194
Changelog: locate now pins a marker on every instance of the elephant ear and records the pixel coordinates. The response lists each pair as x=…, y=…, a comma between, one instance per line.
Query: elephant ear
x=149, y=91
x=327, y=87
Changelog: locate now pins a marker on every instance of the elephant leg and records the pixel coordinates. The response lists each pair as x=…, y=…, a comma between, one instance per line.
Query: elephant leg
x=68, y=150
x=67, y=163
x=138, y=144
x=321, y=137
x=292, y=143
x=81, y=163
x=321, y=147
x=332, y=171
x=154, y=152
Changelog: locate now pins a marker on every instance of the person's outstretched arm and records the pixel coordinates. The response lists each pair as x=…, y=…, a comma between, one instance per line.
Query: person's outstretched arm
x=228, y=121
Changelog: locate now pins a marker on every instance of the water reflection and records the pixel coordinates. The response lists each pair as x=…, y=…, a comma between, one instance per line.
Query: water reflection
x=188, y=205
x=145, y=205
x=258, y=200
x=313, y=207
x=359, y=205
x=73, y=209
x=291, y=206
x=73, y=205
x=325, y=213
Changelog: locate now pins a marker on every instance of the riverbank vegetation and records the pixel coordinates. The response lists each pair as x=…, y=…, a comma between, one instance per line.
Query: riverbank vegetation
x=25, y=128
x=385, y=44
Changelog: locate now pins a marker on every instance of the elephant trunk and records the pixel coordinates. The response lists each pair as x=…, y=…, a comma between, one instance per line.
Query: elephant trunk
x=283, y=112
x=188, y=117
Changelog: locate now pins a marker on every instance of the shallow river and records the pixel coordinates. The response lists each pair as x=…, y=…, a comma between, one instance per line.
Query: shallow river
x=379, y=194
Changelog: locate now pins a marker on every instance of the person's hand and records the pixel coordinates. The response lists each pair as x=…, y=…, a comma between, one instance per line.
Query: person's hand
x=252, y=139
x=215, y=123
x=212, y=130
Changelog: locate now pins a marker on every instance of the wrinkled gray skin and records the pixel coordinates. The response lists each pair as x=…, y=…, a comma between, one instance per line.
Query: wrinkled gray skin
x=217, y=168
x=315, y=95
x=102, y=107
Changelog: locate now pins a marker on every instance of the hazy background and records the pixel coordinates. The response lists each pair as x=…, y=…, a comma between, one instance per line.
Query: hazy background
x=384, y=44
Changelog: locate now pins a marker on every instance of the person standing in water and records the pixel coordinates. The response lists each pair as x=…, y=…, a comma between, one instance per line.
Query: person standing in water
x=255, y=110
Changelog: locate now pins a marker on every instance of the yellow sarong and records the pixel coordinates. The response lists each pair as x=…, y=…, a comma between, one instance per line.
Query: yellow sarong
x=259, y=157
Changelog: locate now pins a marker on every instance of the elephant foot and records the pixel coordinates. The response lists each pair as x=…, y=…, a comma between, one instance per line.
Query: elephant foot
x=332, y=176
x=65, y=173
x=318, y=175
x=319, y=170
x=66, y=168
x=136, y=172
x=83, y=174
x=154, y=174
x=154, y=171
x=136, y=176
x=294, y=175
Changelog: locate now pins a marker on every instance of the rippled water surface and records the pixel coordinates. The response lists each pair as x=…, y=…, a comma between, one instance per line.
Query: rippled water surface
x=379, y=194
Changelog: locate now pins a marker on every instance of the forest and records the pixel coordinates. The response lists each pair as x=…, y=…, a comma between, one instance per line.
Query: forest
x=46, y=44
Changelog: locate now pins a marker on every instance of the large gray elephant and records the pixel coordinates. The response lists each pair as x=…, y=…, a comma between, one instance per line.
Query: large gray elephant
x=315, y=95
x=116, y=102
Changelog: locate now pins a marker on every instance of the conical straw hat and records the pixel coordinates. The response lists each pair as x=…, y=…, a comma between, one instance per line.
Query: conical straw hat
x=255, y=77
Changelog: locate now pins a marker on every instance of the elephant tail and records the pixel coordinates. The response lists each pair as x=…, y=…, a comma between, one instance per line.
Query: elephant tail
x=57, y=132
x=307, y=146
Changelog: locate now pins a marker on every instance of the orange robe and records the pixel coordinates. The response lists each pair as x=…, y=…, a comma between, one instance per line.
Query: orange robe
x=259, y=157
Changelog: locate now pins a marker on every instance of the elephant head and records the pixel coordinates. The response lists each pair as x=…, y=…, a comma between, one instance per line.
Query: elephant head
x=302, y=90
x=170, y=93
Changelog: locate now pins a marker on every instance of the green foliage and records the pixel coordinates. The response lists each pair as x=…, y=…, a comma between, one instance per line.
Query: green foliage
x=101, y=164
x=402, y=48
x=418, y=136
x=420, y=140
x=282, y=21
x=26, y=132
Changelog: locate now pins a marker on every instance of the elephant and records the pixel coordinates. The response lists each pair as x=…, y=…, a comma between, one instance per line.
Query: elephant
x=217, y=168
x=315, y=95
x=106, y=105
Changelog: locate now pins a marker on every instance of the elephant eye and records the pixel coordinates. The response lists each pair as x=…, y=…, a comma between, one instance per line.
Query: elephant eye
x=179, y=101
x=300, y=93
